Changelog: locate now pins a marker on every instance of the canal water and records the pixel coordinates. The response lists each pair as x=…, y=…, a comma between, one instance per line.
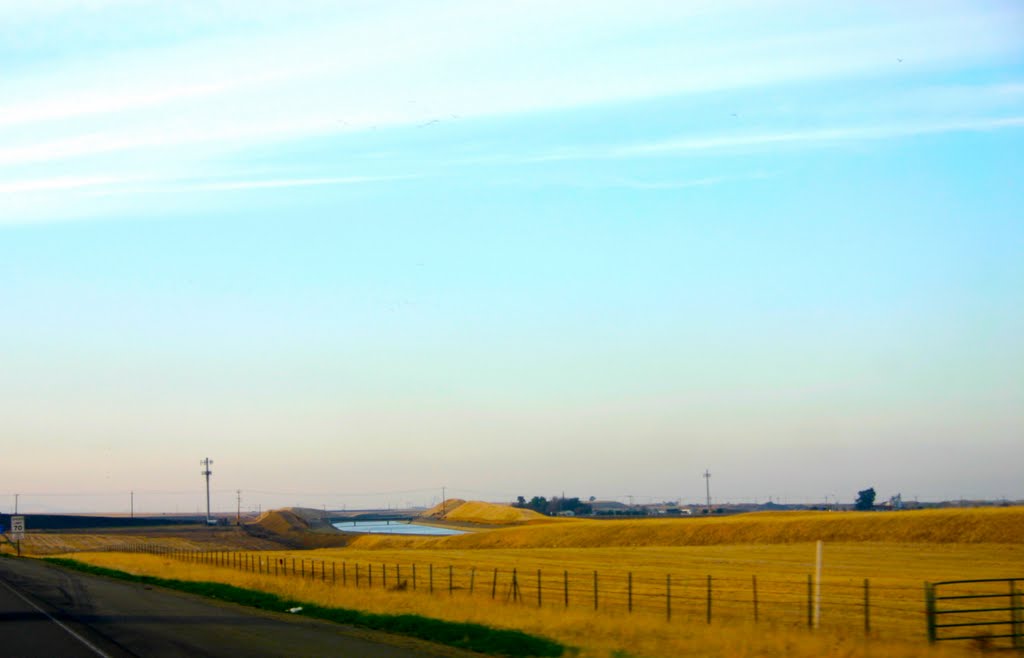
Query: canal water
x=394, y=528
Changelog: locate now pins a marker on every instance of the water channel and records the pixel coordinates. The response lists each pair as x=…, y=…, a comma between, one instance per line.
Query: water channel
x=394, y=528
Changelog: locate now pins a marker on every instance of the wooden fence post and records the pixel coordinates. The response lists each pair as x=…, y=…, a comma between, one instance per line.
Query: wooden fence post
x=810, y=601
x=595, y=590
x=668, y=597
x=494, y=583
x=709, y=600
x=867, y=607
x=450, y=583
x=629, y=592
x=369, y=575
x=472, y=579
x=929, y=604
x=384, y=575
x=431, y=577
x=538, y=589
x=357, y=575
x=1015, y=616
x=414, y=575
x=565, y=586
x=753, y=580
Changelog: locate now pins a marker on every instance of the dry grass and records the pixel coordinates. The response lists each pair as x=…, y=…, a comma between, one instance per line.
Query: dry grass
x=54, y=543
x=603, y=634
x=941, y=526
x=492, y=514
x=897, y=551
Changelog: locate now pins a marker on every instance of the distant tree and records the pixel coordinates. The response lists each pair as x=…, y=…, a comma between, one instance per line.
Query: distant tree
x=592, y=499
x=520, y=501
x=539, y=504
x=865, y=500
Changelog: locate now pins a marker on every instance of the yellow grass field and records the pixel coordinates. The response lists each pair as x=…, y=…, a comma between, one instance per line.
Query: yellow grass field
x=920, y=548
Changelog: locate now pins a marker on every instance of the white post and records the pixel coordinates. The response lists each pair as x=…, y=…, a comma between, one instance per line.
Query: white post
x=817, y=588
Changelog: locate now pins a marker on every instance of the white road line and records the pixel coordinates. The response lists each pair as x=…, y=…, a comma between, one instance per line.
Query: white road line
x=73, y=634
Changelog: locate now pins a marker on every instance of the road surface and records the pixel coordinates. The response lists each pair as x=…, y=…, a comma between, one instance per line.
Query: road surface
x=47, y=611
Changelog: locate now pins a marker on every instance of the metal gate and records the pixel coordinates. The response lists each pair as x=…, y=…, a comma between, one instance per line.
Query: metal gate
x=988, y=611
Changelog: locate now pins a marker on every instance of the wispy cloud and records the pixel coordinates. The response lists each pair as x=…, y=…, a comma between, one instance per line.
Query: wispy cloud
x=745, y=142
x=298, y=182
x=62, y=183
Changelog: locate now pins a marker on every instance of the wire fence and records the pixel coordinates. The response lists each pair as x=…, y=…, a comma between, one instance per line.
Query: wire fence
x=845, y=604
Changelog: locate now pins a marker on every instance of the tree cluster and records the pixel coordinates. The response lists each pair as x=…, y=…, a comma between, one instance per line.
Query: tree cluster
x=554, y=505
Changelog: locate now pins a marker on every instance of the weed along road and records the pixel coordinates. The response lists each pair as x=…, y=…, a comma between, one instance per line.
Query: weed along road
x=49, y=611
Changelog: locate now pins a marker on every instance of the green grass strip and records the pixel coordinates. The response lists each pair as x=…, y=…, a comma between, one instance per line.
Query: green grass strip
x=475, y=637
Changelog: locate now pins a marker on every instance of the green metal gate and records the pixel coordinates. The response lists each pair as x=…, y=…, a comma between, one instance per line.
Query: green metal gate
x=988, y=611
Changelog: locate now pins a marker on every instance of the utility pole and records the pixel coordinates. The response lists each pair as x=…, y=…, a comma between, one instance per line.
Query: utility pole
x=444, y=502
x=707, y=487
x=207, y=473
x=16, y=503
x=238, y=514
x=133, y=505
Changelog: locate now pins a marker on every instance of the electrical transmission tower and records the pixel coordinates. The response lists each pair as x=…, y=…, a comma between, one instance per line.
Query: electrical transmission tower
x=207, y=473
x=707, y=487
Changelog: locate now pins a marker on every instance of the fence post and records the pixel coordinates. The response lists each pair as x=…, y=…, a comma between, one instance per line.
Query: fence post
x=344, y=573
x=810, y=602
x=450, y=584
x=357, y=575
x=929, y=605
x=323, y=570
x=414, y=575
x=565, y=586
x=431, y=570
x=629, y=592
x=515, y=584
x=753, y=580
x=668, y=597
x=538, y=589
x=709, y=600
x=1015, y=616
x=494, y=583
x=867, y=607
x=369, y=575
x=595, y=590
x=384, y=575
x=334, y=572
x=472, y=579
x=398, y=575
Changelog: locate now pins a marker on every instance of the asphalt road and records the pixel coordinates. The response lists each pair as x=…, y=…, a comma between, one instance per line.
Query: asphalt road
x=46, y=611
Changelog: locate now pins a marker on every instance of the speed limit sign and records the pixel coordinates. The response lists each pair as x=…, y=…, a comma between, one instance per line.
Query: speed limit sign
x=17, y=527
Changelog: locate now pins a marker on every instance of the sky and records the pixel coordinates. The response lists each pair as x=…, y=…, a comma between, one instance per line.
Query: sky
x=357, y=252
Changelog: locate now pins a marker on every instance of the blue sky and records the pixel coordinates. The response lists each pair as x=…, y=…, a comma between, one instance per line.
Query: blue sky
x=355, y=252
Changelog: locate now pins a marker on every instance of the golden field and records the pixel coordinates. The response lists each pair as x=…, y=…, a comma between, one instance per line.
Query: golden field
x=1003, y=525
x=917, y=547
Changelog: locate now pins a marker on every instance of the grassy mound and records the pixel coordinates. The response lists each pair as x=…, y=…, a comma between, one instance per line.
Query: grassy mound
x=941, y=526
x=441, y=510
x=289, y=529
x=494, y=514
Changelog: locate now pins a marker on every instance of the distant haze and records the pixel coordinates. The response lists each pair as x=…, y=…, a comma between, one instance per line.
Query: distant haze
x=357, y=252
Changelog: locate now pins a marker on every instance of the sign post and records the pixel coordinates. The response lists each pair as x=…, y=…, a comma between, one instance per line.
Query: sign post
x=18, y=531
